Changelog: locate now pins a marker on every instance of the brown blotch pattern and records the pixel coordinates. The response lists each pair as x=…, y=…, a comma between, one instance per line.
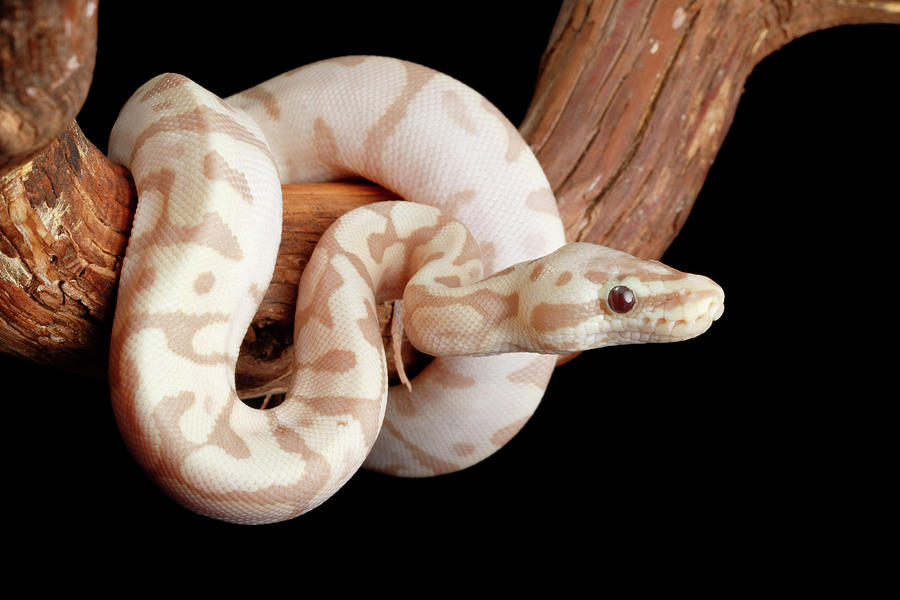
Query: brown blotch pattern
x=256, y=292
x=333, y=361
x=401, y=402
x=502, y=436
x=349, y=61
x=215, y=167
x=324, y=142
x=164, y=83
x=457, y=111
x=534, y=373
x=488, y=255
x=160, y=180
x=145, y=279
x=378, y=243
x=370, y=332
x=463, y=449
x=515, y=144
x=175, y=449
x=440, y=372
x=471, y=250
x=226, y=438
x=452, y=281
x=266, y=98
x=416, y=77
x=202, y=120
x=211, y=232
x=429, y=461
x=564, y=278
x=162, y=106
x=287, y=438
x=318, y=309
x=542, y=201
x=456, y=201
x=493, y=308
x=395, y=276
x=502, y=272
x=204, y=283
x=550, y=317
x=597, y=277
x=180, y=329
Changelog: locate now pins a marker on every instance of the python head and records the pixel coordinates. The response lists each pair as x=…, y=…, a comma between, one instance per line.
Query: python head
x=580, y=297
x=588, y=296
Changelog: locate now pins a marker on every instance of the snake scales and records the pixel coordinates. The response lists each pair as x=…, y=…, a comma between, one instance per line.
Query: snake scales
x=478, y=257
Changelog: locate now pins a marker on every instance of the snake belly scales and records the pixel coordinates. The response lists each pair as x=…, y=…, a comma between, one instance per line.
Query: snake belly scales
x=476, y=252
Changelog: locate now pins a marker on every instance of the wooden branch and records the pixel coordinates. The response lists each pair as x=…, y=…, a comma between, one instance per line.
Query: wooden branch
x=635, y=99
x=633, y=102
x=64, y=222
x=47, y=52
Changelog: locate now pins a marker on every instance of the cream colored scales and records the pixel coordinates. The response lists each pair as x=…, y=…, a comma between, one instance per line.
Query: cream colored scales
x=202, y=251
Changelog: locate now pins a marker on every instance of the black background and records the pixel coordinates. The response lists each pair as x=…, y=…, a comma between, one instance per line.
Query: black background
x=731, y=454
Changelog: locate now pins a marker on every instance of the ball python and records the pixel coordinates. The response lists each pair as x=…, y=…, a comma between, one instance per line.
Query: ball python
x=475, y=251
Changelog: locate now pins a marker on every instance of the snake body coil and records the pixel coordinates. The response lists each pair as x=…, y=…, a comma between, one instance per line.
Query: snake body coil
x=202, y=252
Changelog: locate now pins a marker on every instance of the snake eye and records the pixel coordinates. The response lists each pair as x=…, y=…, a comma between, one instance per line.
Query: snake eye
x=620, y=299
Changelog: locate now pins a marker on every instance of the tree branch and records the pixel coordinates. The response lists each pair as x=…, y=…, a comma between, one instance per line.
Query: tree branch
x=47, y=52
x=635, y=99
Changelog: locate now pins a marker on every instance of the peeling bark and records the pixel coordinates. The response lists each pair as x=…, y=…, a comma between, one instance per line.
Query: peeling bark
x=64, y=223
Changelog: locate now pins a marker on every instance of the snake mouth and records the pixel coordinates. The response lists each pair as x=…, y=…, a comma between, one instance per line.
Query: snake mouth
x=682, y=326
x=685, y=329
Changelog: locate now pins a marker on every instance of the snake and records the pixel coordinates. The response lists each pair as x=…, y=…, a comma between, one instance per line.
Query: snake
x=474, y=256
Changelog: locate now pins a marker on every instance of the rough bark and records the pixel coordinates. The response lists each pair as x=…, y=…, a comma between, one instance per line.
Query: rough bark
x=47, y=51
x=64, y=222
x=635, y=99
x=633, y=102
